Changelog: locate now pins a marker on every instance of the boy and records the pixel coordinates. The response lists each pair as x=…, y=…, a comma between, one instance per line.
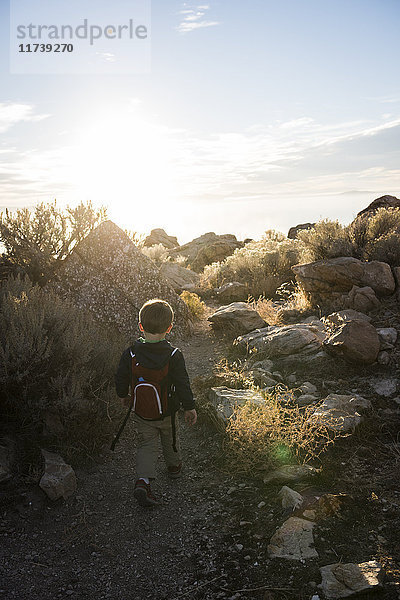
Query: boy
x=158, y=374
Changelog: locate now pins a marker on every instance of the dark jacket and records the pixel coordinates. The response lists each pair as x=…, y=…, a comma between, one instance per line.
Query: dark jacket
x=155, y=356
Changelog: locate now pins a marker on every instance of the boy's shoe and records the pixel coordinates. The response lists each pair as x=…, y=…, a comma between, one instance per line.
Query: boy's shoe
x=143, y=495
x=175, y=472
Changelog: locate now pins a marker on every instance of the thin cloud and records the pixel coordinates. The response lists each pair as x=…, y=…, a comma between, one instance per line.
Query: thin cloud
x=194, y=18
x=13, y=113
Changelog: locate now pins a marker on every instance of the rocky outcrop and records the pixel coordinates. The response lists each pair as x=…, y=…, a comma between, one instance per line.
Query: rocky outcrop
x=342, y=580
x=361, y=299
x=355, y=342
x=381, y=202
x=297, y=339
x=59, y=479
x=293, y=540
x=238, y=316
x=180, y=278
x=109, y=276
x=207, y=249
x=328, y=280
x=293, y=231
x=340, y=412
x=232, y=292
x=159, y=236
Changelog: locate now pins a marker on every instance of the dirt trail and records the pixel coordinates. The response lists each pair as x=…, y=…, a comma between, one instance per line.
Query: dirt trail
x=100, y=544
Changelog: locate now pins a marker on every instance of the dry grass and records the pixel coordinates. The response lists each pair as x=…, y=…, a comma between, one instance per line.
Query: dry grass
x=261, y=437
x=196, y=307
x=266, y=309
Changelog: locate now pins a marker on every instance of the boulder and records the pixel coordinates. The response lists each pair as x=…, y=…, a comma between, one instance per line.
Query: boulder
x=7, y=457
x=339, y=412
x=293, y=540
x=308, y=388
x=159, y=236
x=179, y=278
x=225, y=399
x=109, y=276
x=355, y=342
x=299, y=338
x=232, y=292
x=59, y=479
x=362, y=299
x=293, y=231
x=323, y=279
x=290, y=473
x=396, y=271
x=306, y=400
x=207, y=249
x=238, y=316
x=261, y=378
x=387, y=337
x=341, y=580
x=381, y=202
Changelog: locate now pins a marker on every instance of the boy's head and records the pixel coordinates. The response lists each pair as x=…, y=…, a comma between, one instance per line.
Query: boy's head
x=156, y=317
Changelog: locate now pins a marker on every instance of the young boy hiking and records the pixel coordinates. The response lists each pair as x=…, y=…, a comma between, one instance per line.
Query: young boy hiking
x=155, y=373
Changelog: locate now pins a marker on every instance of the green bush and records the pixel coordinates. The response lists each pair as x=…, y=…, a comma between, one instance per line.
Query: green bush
x=55, y=358
x=261, y=265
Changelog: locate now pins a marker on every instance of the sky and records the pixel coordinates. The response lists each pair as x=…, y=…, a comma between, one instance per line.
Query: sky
x=253, y=115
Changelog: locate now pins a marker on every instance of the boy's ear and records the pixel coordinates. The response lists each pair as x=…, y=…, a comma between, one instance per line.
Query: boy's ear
x=141, y=327
x=169, y=328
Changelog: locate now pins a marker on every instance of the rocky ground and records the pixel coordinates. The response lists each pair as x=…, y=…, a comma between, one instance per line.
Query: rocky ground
x=208, y=537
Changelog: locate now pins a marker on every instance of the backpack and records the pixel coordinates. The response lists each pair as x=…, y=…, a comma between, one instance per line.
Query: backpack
x=151, y=396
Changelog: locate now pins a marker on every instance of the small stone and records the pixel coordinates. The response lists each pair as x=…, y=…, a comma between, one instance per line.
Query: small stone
x=343, y=580
x=247, y=557
x=239, y=547
x=261, y=504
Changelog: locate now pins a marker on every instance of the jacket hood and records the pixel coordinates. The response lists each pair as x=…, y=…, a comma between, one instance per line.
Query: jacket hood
x=152, y=355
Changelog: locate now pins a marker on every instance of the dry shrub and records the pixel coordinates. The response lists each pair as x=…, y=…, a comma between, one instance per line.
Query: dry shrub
x=55, y=358
x=157, y=253
x=262, y=437
x=194, y=304
x=260, y=265
x=266, y=309
x=327, y=239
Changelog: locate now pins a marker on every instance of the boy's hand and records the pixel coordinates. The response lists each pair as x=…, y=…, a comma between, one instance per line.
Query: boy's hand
x=126, y=401
x=191, y=416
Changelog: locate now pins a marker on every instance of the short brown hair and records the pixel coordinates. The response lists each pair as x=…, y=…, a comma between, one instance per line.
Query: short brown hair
x=156, y=316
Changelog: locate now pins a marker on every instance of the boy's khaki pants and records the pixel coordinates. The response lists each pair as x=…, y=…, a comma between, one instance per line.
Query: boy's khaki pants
x=148, y=445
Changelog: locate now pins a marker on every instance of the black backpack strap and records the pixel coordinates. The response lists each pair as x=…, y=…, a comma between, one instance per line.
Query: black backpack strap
x=124, y=422
x=173, y=416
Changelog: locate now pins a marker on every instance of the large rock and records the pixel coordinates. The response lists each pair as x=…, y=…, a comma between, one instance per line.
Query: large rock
x=355, y=342
x=293, y=540
x=233, y=291
x=59, y=479
x=238, y=316
x=340, y=412
x=323, y=278
x=299, y=338
x=208, y=248
x=342, y=580
x=108, y=275
x=226, y=399
x=396, y=271
x=159, y=236
x=381, y=202
x=180, y=278
x=293, y=231
x=361, y=299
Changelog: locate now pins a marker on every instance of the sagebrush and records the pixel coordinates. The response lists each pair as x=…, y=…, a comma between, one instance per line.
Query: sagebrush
x=55, y=358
